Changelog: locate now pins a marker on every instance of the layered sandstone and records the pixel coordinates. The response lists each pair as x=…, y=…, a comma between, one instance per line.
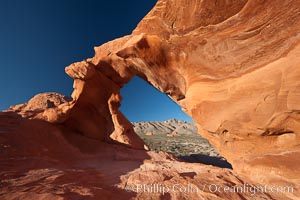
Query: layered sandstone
x=42, y=161
x=232, y=65
x=37, y=105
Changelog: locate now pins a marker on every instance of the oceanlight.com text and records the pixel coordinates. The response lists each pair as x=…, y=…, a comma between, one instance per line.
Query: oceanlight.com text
x=212, y=188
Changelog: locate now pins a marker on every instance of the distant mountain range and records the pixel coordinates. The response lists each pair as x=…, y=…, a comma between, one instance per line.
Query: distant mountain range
x=178, y=137
x=172, y=126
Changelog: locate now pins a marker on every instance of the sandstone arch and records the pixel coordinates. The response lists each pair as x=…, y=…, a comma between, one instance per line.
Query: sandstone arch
x=236, y=74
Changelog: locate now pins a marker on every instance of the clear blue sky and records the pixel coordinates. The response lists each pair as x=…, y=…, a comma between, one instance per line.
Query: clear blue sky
x=39, y=38
x=142, y=102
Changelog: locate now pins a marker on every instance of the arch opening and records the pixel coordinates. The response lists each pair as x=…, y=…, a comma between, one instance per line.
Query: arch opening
x=163, y=126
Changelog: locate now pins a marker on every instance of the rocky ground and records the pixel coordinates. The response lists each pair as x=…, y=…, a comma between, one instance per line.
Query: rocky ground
x=233, y=66
x=43, y=161
x=181, y=139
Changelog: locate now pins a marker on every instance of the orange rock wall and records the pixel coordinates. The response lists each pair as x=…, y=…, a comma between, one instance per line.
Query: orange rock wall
x=232, y=65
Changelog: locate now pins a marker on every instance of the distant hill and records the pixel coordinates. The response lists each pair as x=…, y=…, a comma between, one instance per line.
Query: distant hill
x=178, y=137
x=165, y=127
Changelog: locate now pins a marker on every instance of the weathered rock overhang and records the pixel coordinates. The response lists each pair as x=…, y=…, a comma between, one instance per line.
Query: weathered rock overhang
x=233, y=66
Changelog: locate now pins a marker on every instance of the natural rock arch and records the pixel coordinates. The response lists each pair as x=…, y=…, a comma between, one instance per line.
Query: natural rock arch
x=235, y=74
x=96, y=97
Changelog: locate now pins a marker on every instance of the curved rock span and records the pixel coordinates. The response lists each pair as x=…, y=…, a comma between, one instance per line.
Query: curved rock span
x=232, y=65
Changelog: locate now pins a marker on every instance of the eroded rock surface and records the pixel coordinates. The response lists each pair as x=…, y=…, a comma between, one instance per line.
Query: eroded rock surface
x=232, y=65
x=42, y=161
x=39, y=103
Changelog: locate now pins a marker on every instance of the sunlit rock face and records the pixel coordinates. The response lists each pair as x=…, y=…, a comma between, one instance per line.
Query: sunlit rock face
x=232, y=65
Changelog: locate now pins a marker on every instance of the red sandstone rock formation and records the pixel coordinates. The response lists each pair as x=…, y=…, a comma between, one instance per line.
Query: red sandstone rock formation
x=39, y=103
x=42, y=161
x=232, y=65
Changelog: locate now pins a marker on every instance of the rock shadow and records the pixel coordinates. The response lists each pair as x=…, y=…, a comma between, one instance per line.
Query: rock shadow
x=51, y=160
x=207, y=160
